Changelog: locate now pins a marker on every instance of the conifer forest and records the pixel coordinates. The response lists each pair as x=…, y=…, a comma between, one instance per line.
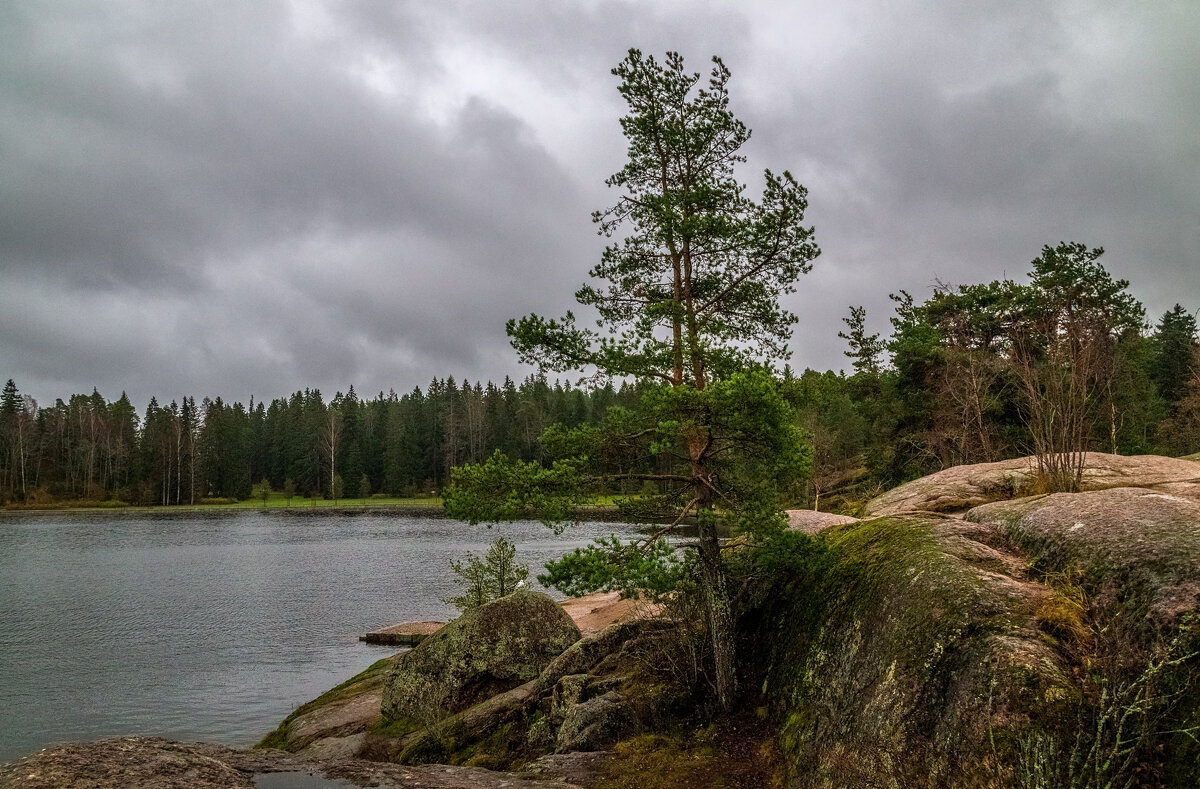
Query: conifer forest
x=955, y=382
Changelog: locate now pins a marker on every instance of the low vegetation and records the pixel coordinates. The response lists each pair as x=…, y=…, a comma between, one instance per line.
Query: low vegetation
x=494, y=576
x=737, y=751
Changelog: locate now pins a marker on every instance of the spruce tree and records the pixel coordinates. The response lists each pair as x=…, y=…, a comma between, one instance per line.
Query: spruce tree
x=1174, y=343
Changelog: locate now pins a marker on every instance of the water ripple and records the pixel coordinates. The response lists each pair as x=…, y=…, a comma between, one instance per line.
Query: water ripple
x=211, y=628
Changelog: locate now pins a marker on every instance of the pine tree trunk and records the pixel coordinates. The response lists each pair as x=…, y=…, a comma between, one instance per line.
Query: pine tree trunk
x=720, y=613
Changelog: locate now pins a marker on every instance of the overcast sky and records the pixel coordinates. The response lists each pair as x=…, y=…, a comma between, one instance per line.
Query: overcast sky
x=250, y=198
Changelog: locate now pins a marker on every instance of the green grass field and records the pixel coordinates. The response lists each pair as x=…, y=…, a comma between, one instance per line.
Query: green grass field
x=276, y=500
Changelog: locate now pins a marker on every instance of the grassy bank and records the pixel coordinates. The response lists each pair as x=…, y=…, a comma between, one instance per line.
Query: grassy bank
x=275, y=501
x=600, y=507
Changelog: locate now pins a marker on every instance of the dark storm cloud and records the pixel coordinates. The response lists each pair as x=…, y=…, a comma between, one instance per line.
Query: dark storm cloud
x=950, y=147
x=277, y=195
x=214, y=180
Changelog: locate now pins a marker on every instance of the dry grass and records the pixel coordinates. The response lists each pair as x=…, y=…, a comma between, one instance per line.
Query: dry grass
x=1064, y=612
x=731, y=753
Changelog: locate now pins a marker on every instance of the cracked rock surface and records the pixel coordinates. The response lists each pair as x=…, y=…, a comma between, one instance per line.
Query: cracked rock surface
x=154, y=763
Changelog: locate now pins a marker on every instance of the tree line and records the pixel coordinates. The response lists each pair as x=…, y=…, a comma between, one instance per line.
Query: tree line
x=951, y=385
x=1052, y=367
x=90, y=448
x=946, y=388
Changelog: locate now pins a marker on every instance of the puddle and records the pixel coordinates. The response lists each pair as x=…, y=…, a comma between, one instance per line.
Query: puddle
x=298, y=780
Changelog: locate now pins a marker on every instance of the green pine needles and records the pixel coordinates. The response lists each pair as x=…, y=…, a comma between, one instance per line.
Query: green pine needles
x=688, y=299
x=494, y=576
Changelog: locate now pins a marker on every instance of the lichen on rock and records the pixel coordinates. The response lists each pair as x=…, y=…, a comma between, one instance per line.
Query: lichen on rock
x=594, y=724
x=1140, y=543
x=484, y=652
x=907, y=658
x=1134, y=556
x=155, y=763
x=958, y=489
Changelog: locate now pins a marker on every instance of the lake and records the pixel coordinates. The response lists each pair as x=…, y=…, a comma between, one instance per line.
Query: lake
x=213, y=627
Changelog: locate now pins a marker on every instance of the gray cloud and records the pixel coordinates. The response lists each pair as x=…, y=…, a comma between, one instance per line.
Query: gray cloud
x=279, y=195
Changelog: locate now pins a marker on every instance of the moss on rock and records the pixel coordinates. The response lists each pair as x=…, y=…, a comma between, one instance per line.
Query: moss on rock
x=1052, y=640
x=1134, y=556
x=900, y=664
x=349, y=708
x=484, y=652
x=960, y=488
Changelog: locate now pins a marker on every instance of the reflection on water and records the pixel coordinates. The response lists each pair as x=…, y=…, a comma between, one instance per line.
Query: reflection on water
x=212, y=628
x=298, y=781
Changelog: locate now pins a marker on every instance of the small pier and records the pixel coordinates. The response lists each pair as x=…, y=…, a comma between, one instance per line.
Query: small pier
x=405, y=634
x=592, y=613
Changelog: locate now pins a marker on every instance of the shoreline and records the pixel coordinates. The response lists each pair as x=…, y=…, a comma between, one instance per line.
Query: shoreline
x=601, y=513
x=218, y=511
x=207, y=554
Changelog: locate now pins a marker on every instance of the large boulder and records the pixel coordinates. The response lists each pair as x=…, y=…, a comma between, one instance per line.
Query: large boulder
x=485, y=652
x=1136, y=549
x=907, y=659
x=958, y=489
x=1037, y=637
x=527, y=719
x=813, y=521
x=1133, y=557
x=347, y=720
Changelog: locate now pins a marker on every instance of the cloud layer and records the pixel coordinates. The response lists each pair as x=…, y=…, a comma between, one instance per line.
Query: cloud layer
x=268, y=196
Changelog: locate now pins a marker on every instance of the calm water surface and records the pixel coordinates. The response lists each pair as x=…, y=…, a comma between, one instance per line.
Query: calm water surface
x=212, y=628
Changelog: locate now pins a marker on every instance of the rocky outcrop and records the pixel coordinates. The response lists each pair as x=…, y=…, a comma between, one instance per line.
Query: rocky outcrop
x=813, y=521
x=348, y=721
x=906, y=655
x=956, y=490
x=1020, y=642
x=404, y=634
x=152, y=763
x=1137, y=549
x=984, y=639
x=1129, y=561
x=922, y=649
x=136, y=762
x=486, y=651
x=528, y=720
